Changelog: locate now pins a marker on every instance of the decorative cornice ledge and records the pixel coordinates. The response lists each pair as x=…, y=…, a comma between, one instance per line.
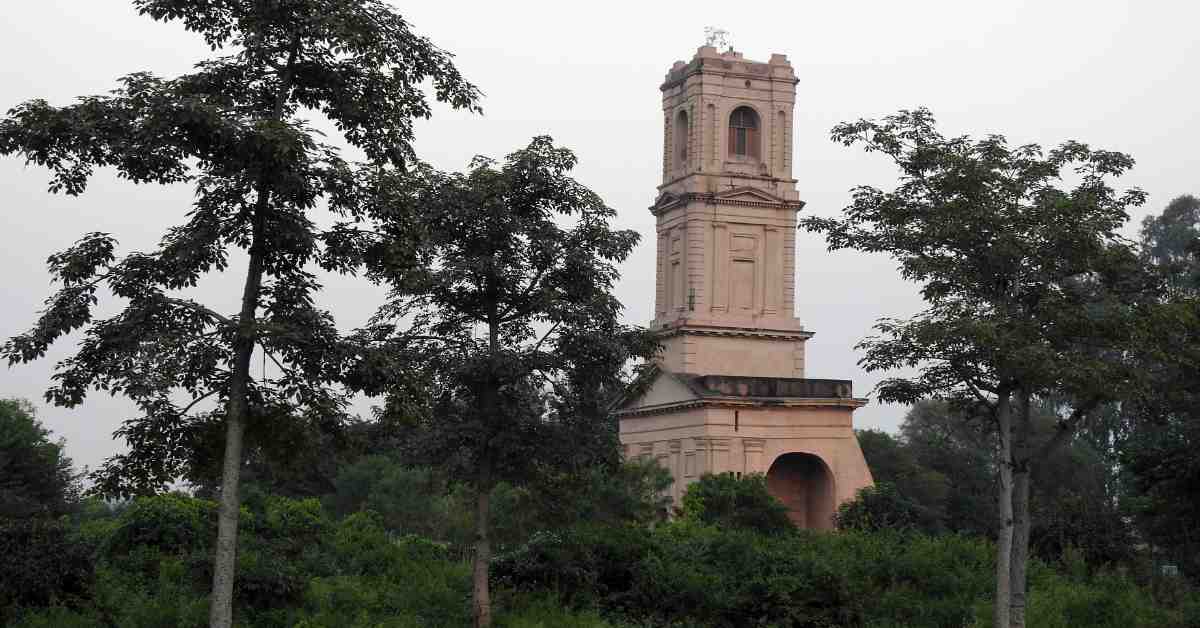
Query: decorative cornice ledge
x=744, y=402
x=737, y=332
x=715, y=199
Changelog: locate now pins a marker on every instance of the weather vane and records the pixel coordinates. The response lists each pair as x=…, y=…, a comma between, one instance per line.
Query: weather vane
x=717, y=38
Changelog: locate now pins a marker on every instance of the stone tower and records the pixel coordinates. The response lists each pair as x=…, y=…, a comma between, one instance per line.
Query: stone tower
x=728, y=393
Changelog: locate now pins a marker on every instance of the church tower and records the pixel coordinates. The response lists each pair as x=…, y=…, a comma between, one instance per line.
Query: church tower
x=728, y=392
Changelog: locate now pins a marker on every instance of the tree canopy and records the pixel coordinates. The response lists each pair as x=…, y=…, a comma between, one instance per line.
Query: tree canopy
x=1029, y=290
x=36, y=476
x=507, y=307
x=235, y=129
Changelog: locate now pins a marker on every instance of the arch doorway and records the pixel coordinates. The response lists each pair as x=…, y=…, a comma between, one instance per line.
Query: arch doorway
x=804, y=484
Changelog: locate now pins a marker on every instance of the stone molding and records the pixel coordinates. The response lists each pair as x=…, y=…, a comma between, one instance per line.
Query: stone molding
x=671, y=201
x=736, y=332
x=745, y=402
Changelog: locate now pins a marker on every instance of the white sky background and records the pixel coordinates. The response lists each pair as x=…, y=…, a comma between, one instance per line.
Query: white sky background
x=1117, y=75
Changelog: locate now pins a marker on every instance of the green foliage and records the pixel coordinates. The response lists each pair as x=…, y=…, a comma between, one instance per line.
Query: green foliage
x=725, y=500
x=706, y=576
x=957, y=448
x=41, y=563
x=545, y=611
x=628, y=492
x=1106, y=600
x=882, y=507
x=525, y=253
x=172, y=524
x=1171, y=242
x=36, y=477
x=235, y=128
x=941, y=471
x=683, y=574
x=1159, y=450
x=303, y=568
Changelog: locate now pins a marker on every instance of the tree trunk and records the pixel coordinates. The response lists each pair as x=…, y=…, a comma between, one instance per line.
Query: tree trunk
x=220, y=613
x=1020, y=547
x=483, y=485
x=483, y=550
x=1004, y=534
x=1022, y=470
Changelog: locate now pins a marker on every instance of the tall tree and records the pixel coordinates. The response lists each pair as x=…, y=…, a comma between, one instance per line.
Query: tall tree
x=234, y=129
x=512, y=315
x=36, y=476
x=959, y=447
x=1164, y=424
x=945, y=464
x=1171, y=242
x=1029, y=290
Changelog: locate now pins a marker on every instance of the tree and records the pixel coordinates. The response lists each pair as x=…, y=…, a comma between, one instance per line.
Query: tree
x=36, y=476
x=1029, y=290
x=911, y=484
x=1171, y=242
x=960, y=448
x=232, y=128
x=942, y=470
x=1164, y=424
x=508, y=311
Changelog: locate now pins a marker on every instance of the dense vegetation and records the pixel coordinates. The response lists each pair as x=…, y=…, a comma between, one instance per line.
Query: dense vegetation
x=1046, y=473
x=389, y=544
x=147, y=563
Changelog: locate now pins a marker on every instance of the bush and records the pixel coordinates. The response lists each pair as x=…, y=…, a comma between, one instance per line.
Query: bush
x=172, y=524
x=1106, y=602
x=684, y=572
x=735, y=502
x=882, y=507
x=41, y=563
x=298, y=567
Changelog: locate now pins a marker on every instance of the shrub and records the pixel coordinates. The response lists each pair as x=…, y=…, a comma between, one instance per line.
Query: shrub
x=172, y=524
x=882, y=507
x=41, y=563
x=685, y=572
x=735, y=502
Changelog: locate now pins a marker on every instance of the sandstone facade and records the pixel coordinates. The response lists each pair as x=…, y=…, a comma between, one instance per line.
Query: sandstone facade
x=728, y=392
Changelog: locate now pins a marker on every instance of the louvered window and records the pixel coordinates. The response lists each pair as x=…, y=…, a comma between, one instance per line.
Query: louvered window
x=743, y=133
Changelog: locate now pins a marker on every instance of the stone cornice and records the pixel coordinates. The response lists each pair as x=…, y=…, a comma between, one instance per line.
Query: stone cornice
x=743, y=402
x=734, y=332
x=677, y=200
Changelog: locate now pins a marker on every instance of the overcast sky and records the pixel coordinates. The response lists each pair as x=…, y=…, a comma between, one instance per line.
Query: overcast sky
x=1118, y=75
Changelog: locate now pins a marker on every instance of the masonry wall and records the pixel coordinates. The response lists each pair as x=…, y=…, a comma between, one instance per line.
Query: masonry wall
x=748, y=439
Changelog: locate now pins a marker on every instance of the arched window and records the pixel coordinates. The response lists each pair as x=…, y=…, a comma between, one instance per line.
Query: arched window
x=682, y=132
x=743, y=133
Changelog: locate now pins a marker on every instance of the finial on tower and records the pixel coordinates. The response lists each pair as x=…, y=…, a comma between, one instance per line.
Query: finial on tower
x=717, y=38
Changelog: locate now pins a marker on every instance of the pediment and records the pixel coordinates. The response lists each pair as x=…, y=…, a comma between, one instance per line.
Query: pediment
x=747, y=193
x=656, y=387
x=666, y=200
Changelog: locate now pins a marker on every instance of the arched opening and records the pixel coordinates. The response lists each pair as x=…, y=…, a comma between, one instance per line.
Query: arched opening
x=804, y=484
x=682, y=132
x=743, y=133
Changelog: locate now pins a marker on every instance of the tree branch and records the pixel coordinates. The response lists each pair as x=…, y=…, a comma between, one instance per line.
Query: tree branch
x=196, y=307
x=537, y=347
x=197, y=400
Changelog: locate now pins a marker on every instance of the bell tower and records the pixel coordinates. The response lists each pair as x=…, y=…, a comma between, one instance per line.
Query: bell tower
x=728, y=391
x=726, y=219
